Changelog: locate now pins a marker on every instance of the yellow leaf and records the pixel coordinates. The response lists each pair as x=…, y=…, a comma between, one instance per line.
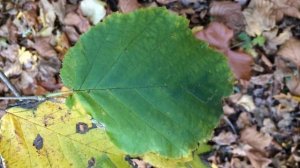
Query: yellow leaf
x=54, y=136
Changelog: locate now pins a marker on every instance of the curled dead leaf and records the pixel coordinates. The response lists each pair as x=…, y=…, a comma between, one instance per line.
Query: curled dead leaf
x=217, y=35
x=229, y=13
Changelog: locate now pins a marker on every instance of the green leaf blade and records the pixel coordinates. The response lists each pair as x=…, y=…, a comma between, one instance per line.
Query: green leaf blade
x=153, y=85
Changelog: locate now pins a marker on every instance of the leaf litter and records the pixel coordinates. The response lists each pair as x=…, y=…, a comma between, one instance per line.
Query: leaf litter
x=265, y=104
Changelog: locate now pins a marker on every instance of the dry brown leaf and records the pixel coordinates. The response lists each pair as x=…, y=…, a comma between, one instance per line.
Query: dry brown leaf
x=294, y=85
x=59, y=8
x=71, y=33
x=228, y=110
x=237, y=163
x=273, y=39
x=257, y=159
x=243, y=120
x=229, y=13
x=268, y=126
x=291, y=51
x=9, y=31
x=240, y=63
x=225, y=138
x=286, y=7
x=219, y=36
x=43, y=46
x=127, y=6
x=261, y=79
x=77, y=20
x=47, y=13
x=11, y=52
x=256, y=139
x=259, y=17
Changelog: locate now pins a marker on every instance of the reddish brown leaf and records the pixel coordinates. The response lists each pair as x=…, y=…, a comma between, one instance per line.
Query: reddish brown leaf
x=219, y=36
x=43, y=46
x=240, y=64
x=77, y=20
x=127, y=6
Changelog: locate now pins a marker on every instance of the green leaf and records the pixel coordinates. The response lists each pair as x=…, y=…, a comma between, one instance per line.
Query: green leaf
x=149, y=81
x=59, y=143
x=259, y=40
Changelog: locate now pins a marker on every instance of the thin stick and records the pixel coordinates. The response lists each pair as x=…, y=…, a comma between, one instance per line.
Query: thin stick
x=230, y=124
x=9, y=84
x=38, y=98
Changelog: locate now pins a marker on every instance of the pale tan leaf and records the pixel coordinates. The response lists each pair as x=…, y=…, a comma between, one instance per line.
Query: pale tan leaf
x=291, y=51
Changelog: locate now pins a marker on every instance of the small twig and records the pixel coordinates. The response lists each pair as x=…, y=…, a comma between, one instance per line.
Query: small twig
x=230, y=124
x=9, y=84
x=38, y=98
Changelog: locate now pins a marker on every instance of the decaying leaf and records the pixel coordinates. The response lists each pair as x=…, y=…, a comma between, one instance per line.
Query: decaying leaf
x=77, y=20
x=273, y=39
x=255, y=139
x=259, y=17
x=219, y=36
x=47, y=14
x=225, y=138
x=257, y=159
x=43, y=46
x=286, y=7
x=127, y=6
x=11, y=52
x=26, y=141
x=229, y=13
x=291, y=51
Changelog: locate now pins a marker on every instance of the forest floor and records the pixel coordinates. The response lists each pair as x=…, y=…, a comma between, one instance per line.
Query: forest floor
x=261, y=122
